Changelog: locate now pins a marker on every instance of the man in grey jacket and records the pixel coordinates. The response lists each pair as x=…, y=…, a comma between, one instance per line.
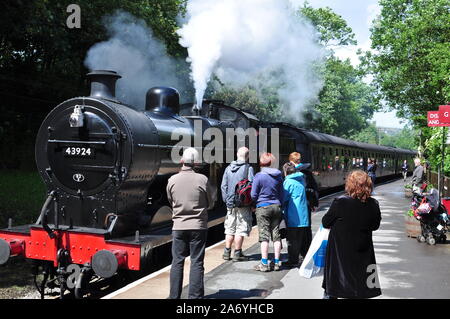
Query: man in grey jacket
x=418, y=175
x=238, y=222
x=190, y=195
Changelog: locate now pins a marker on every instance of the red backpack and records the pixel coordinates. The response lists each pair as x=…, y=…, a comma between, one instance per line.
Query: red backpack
x=242, y=191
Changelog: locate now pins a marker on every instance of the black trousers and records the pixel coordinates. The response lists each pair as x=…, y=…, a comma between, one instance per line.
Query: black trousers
x=188, y=243
x=298, y=241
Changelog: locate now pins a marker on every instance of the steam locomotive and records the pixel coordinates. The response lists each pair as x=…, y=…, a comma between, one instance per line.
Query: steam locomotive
x=106, y=164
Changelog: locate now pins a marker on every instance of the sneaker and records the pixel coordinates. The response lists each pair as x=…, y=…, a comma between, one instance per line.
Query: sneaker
x=277, y=266
x=239, y=256
x=262, y=267
x=226, y=254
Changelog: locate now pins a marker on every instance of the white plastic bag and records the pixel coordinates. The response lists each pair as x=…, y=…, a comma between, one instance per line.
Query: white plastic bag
x=314, y=261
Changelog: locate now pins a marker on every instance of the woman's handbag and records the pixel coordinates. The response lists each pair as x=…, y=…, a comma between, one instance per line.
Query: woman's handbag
x=314, y=261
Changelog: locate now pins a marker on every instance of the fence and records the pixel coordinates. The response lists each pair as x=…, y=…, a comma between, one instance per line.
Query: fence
x=432, y=178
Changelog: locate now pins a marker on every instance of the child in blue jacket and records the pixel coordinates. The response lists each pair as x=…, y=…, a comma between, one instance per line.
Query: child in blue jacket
x=295, y=209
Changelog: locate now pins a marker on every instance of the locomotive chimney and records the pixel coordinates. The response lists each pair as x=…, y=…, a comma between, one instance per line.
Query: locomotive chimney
x=103, y=83
x=163, y=99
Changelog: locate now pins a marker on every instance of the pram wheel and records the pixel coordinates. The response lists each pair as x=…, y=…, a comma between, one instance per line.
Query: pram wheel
x=421, y=239
x=431, y=241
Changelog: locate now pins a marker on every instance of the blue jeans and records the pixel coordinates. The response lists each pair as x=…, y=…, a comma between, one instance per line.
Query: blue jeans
x=188, y=243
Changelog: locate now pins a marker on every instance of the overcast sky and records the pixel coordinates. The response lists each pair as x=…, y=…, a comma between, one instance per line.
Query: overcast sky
x=359, y=15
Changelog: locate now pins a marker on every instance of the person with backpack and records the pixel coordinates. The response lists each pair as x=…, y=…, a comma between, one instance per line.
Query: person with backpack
x=236, y=187
x=295, y=209
x=267, y=193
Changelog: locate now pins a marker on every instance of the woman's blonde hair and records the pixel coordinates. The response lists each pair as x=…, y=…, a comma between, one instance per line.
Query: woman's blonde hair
x=266, y=159
x=295, y=157
x=358, y=185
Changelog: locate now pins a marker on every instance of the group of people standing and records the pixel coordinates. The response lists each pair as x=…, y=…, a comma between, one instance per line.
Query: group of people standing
x=275, y=200
x=289, y=195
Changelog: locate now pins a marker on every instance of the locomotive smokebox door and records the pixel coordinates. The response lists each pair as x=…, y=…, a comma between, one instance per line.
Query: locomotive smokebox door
x=82, y=158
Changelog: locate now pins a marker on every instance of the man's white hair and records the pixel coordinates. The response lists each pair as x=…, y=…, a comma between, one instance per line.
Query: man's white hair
x=190, y=156
x=242, y=153
x=417, y=160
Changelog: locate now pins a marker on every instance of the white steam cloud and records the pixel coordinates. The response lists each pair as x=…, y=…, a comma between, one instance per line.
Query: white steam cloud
x=137, y=55
x=240, y=41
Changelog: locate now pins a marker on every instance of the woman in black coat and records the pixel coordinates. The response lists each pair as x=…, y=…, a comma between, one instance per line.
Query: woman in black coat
x=350, y=266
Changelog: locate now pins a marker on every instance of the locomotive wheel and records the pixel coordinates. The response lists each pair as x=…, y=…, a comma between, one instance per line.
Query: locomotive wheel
x=431, y=241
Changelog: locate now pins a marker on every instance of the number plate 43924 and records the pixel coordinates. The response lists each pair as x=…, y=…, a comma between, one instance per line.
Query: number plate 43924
x=78, y=151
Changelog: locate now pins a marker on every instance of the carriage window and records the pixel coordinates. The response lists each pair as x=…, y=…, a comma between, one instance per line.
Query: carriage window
x=227, y=115
x=337, y=163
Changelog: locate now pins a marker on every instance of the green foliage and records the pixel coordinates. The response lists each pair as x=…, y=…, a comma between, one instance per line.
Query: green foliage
x=345, y=104
x=266, y=107
x=411, y=63
x=41, y=60
x=332, y=27
x=369, y=134
x=405, y=139
x=433, y=150
x=21, y=197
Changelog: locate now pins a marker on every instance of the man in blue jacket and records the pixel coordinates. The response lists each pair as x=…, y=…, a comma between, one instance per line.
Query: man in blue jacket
x=267, y=193
x=295, y=209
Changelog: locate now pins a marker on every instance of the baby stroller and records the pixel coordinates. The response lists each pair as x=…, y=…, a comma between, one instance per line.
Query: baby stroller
x=432, y=215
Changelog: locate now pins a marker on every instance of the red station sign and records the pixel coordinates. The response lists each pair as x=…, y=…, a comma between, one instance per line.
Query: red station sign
x=434, y=119
x=444, y=114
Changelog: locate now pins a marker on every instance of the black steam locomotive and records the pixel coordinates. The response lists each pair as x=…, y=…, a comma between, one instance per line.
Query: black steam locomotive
x=106, y=166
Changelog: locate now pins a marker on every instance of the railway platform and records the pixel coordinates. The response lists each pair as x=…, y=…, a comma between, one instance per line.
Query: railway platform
x=406, y=268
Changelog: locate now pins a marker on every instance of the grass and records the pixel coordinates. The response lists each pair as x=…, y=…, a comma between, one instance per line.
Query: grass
x=16, y=280
x=22, y=195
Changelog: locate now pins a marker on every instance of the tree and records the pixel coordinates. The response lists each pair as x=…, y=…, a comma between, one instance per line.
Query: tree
x=433, y=150
x=248, y=99
x=368, y=135
x=411, y=62
x=333, y=29
x=41, y=60
x=403, y=139
x=345, y=104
